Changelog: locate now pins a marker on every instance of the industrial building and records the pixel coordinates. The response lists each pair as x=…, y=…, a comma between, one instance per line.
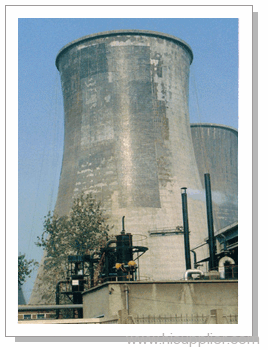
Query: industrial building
x=129, y=142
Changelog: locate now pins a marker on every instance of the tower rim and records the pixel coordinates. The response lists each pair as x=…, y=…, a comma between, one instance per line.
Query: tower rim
x=124, y=32
x=213, y=125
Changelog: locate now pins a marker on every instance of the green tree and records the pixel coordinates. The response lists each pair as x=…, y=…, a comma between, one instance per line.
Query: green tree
x=25, y=268
x=83, y=231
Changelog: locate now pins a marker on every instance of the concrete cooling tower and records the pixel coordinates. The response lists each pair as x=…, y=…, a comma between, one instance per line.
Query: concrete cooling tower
x=216, y=151
x=128, y=140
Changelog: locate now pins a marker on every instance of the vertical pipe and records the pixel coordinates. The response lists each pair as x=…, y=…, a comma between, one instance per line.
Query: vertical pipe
x=123, y=226
x=195, y=263
x=127, y=298
x=58, y=296
x=185, y=228
x=212, y=262
x=57, y=299
x=91, y=269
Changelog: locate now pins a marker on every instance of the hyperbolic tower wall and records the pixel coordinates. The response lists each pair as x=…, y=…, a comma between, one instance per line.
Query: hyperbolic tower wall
x=128, y=139
x=216, y=151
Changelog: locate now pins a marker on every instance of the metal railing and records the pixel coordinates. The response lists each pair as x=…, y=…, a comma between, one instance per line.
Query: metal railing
x=176, y=319
x=184, y=319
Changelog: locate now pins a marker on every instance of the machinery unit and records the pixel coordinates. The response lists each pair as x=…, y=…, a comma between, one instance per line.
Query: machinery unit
x=120, y=263
x=223, y=247
x=117, y=261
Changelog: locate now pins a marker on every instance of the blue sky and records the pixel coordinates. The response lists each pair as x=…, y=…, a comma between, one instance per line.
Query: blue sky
x=213, y=99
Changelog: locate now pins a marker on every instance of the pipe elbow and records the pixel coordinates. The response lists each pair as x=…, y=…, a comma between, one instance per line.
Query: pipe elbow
x=221, y=268
x=110, y=242
x=226, y=259
x=191, y=272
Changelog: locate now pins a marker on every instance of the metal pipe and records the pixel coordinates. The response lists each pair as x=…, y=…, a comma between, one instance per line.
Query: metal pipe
x=58, y=291
x=110, y=242
x=58, y=294
x=123, y=226
x=224, y=241
x=221, y=265
x=211, y=240
x=195, y=263
x=49, y=307
x=185, y=228
x=91, y=269
x=189, y=273
x=200, y=245
x=126, y=290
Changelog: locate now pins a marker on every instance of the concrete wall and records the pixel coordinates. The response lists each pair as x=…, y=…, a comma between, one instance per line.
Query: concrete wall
x=170, y=298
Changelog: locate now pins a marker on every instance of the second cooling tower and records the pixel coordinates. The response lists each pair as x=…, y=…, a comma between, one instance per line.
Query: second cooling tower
x=216, y=151
x=128, y=139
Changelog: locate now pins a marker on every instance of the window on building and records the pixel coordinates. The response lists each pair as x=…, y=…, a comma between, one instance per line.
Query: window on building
x=27, y=317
